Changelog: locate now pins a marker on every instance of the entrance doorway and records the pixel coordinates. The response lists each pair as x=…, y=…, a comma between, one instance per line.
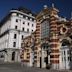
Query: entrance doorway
x=46, y=61
x=13, y=56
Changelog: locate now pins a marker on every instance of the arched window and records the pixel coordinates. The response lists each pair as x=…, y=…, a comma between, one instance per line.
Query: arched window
x=65, y=42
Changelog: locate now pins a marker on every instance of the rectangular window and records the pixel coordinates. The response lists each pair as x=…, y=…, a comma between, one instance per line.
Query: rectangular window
x=22, y=36
x=22, y=29
x=32, y=25
x=28, y=24
x=16, y=20
x=27, y=30
x=15, y=27
x=14, y=44
x=32, y=30
x=35, y=56
x=68, y=58
x=23, y=22
x=32, y=19
x=15, y=36
x=64, y=52
x=28, y=18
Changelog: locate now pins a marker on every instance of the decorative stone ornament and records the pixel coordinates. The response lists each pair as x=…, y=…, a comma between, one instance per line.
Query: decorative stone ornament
x=63, y=30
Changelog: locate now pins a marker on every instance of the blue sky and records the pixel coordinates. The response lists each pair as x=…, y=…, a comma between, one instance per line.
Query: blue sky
x=64, y=6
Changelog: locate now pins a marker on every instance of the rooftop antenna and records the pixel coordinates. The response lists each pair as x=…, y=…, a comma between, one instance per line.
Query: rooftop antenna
x=53, y=5
x=45, y=6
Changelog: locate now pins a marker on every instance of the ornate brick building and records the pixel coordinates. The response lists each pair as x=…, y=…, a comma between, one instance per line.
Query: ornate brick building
x=50, y=45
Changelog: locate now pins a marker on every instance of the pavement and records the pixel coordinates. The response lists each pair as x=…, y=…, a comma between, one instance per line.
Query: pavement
x=16, y=67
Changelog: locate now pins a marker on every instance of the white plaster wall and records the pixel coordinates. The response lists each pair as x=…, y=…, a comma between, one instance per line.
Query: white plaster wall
x=4, y=42
x=6, y=26
x=18, y=40
x=21, y=25
x=11, y=39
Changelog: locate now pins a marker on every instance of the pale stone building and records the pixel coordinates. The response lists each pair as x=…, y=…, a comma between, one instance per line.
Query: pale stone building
x=17, y=24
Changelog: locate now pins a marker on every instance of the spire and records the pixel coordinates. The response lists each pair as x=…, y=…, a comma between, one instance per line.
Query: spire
x=45, y=6
x=53, y=5
x=71, y=15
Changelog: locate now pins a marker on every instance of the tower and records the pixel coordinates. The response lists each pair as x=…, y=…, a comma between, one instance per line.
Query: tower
x=54, y=41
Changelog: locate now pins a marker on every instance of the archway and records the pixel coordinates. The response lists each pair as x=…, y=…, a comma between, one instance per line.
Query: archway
x=65, y=54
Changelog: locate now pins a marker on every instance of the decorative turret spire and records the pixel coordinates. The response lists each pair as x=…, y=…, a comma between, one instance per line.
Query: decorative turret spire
x=45, y=6
x=53, y=5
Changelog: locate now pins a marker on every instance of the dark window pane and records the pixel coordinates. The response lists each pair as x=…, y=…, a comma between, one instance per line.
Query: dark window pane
x=32, y=30
x=32, y=19
x=27, y=30
x=28, y=24
x=16, y=20
x=15, y=27
x=23, y=29
x=64, y=52
x=14, y=44
x=32, y=25
x=23, y=22
x=15, y=36
x=22, y=36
